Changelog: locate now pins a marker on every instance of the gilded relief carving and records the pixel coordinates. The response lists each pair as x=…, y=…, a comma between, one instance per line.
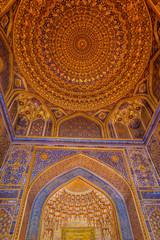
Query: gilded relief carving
x=82, y=54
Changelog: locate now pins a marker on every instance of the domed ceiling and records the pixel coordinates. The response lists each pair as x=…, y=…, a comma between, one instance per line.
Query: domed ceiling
x=82, y=54
x=80, y=68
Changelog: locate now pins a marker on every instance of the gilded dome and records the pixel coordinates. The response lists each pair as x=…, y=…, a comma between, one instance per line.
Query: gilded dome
x=82, y=54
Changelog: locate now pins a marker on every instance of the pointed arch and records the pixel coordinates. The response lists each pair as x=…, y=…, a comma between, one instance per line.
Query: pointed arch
x=95, y=172
x=86, y=191
x=93, y=121
x=146, y=103
x=16, y=97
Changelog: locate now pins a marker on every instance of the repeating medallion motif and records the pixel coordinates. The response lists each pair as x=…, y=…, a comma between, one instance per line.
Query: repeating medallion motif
x=82, y=54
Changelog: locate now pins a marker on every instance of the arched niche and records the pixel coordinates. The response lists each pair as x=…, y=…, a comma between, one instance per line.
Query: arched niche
x=37, y=127
x=80, y=126
x=34, y=224
x=21, y=125
x=79, y=207
x=136, y=128
x=122, y=131
x=40, y=117
x=97, y=174
x=121, y=121
x=13, y=111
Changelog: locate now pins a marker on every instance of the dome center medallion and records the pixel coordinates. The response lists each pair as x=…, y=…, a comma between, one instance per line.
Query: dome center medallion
x=82, y=44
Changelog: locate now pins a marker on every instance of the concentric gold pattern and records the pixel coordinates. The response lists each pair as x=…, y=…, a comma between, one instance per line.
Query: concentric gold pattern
x=82, y=54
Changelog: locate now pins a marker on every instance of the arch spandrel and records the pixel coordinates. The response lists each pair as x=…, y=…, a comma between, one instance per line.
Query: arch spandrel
x=111, y=181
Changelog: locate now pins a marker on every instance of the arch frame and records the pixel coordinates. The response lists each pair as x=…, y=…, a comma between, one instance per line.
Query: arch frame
x=66, y=118
x=15, y=96
x=67, y=177
x=94, y=187
x=126, y=100
x=126, y=190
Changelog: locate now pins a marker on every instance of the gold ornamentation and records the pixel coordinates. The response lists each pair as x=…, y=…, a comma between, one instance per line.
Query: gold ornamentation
x=80, y=233
x=16, y=165
x=4, y=6
x=1, y=64
x=128, y=111
x=115, y=158
x=78, y=209
x=31, y=108
x=82, y=54
x=44, y=156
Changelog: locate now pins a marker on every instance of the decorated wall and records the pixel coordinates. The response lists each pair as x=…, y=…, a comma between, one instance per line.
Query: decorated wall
x=79, y=102
x=45, y=97
x=12, y=182
x=5, y=139
x=153, y=147
x=27, y=169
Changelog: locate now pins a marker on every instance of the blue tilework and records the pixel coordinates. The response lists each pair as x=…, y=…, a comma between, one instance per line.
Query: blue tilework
x=38, y=204
x=151, y=195
x=55, y=155
x=9, y=193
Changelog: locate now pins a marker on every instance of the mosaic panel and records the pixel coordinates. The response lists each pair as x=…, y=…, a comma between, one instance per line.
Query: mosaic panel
x=18, y=82
x=21, y=125
x=142, y=88
x=150, y=195
x=155, y=223
x=57, y=113
x=152, y=211
x=147, y=183
x=15, y=168
x=5, y=224
x=46, y=157
x=102, y=115
x=37, y=128
x=38, y=204
x=9, y=193
x=142, y=168
x=10, y=208
x=12, y=182
x=79, y=127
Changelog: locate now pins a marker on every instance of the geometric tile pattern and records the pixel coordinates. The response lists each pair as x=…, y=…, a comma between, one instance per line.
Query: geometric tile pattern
x=42, y=196
x=46, y=157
